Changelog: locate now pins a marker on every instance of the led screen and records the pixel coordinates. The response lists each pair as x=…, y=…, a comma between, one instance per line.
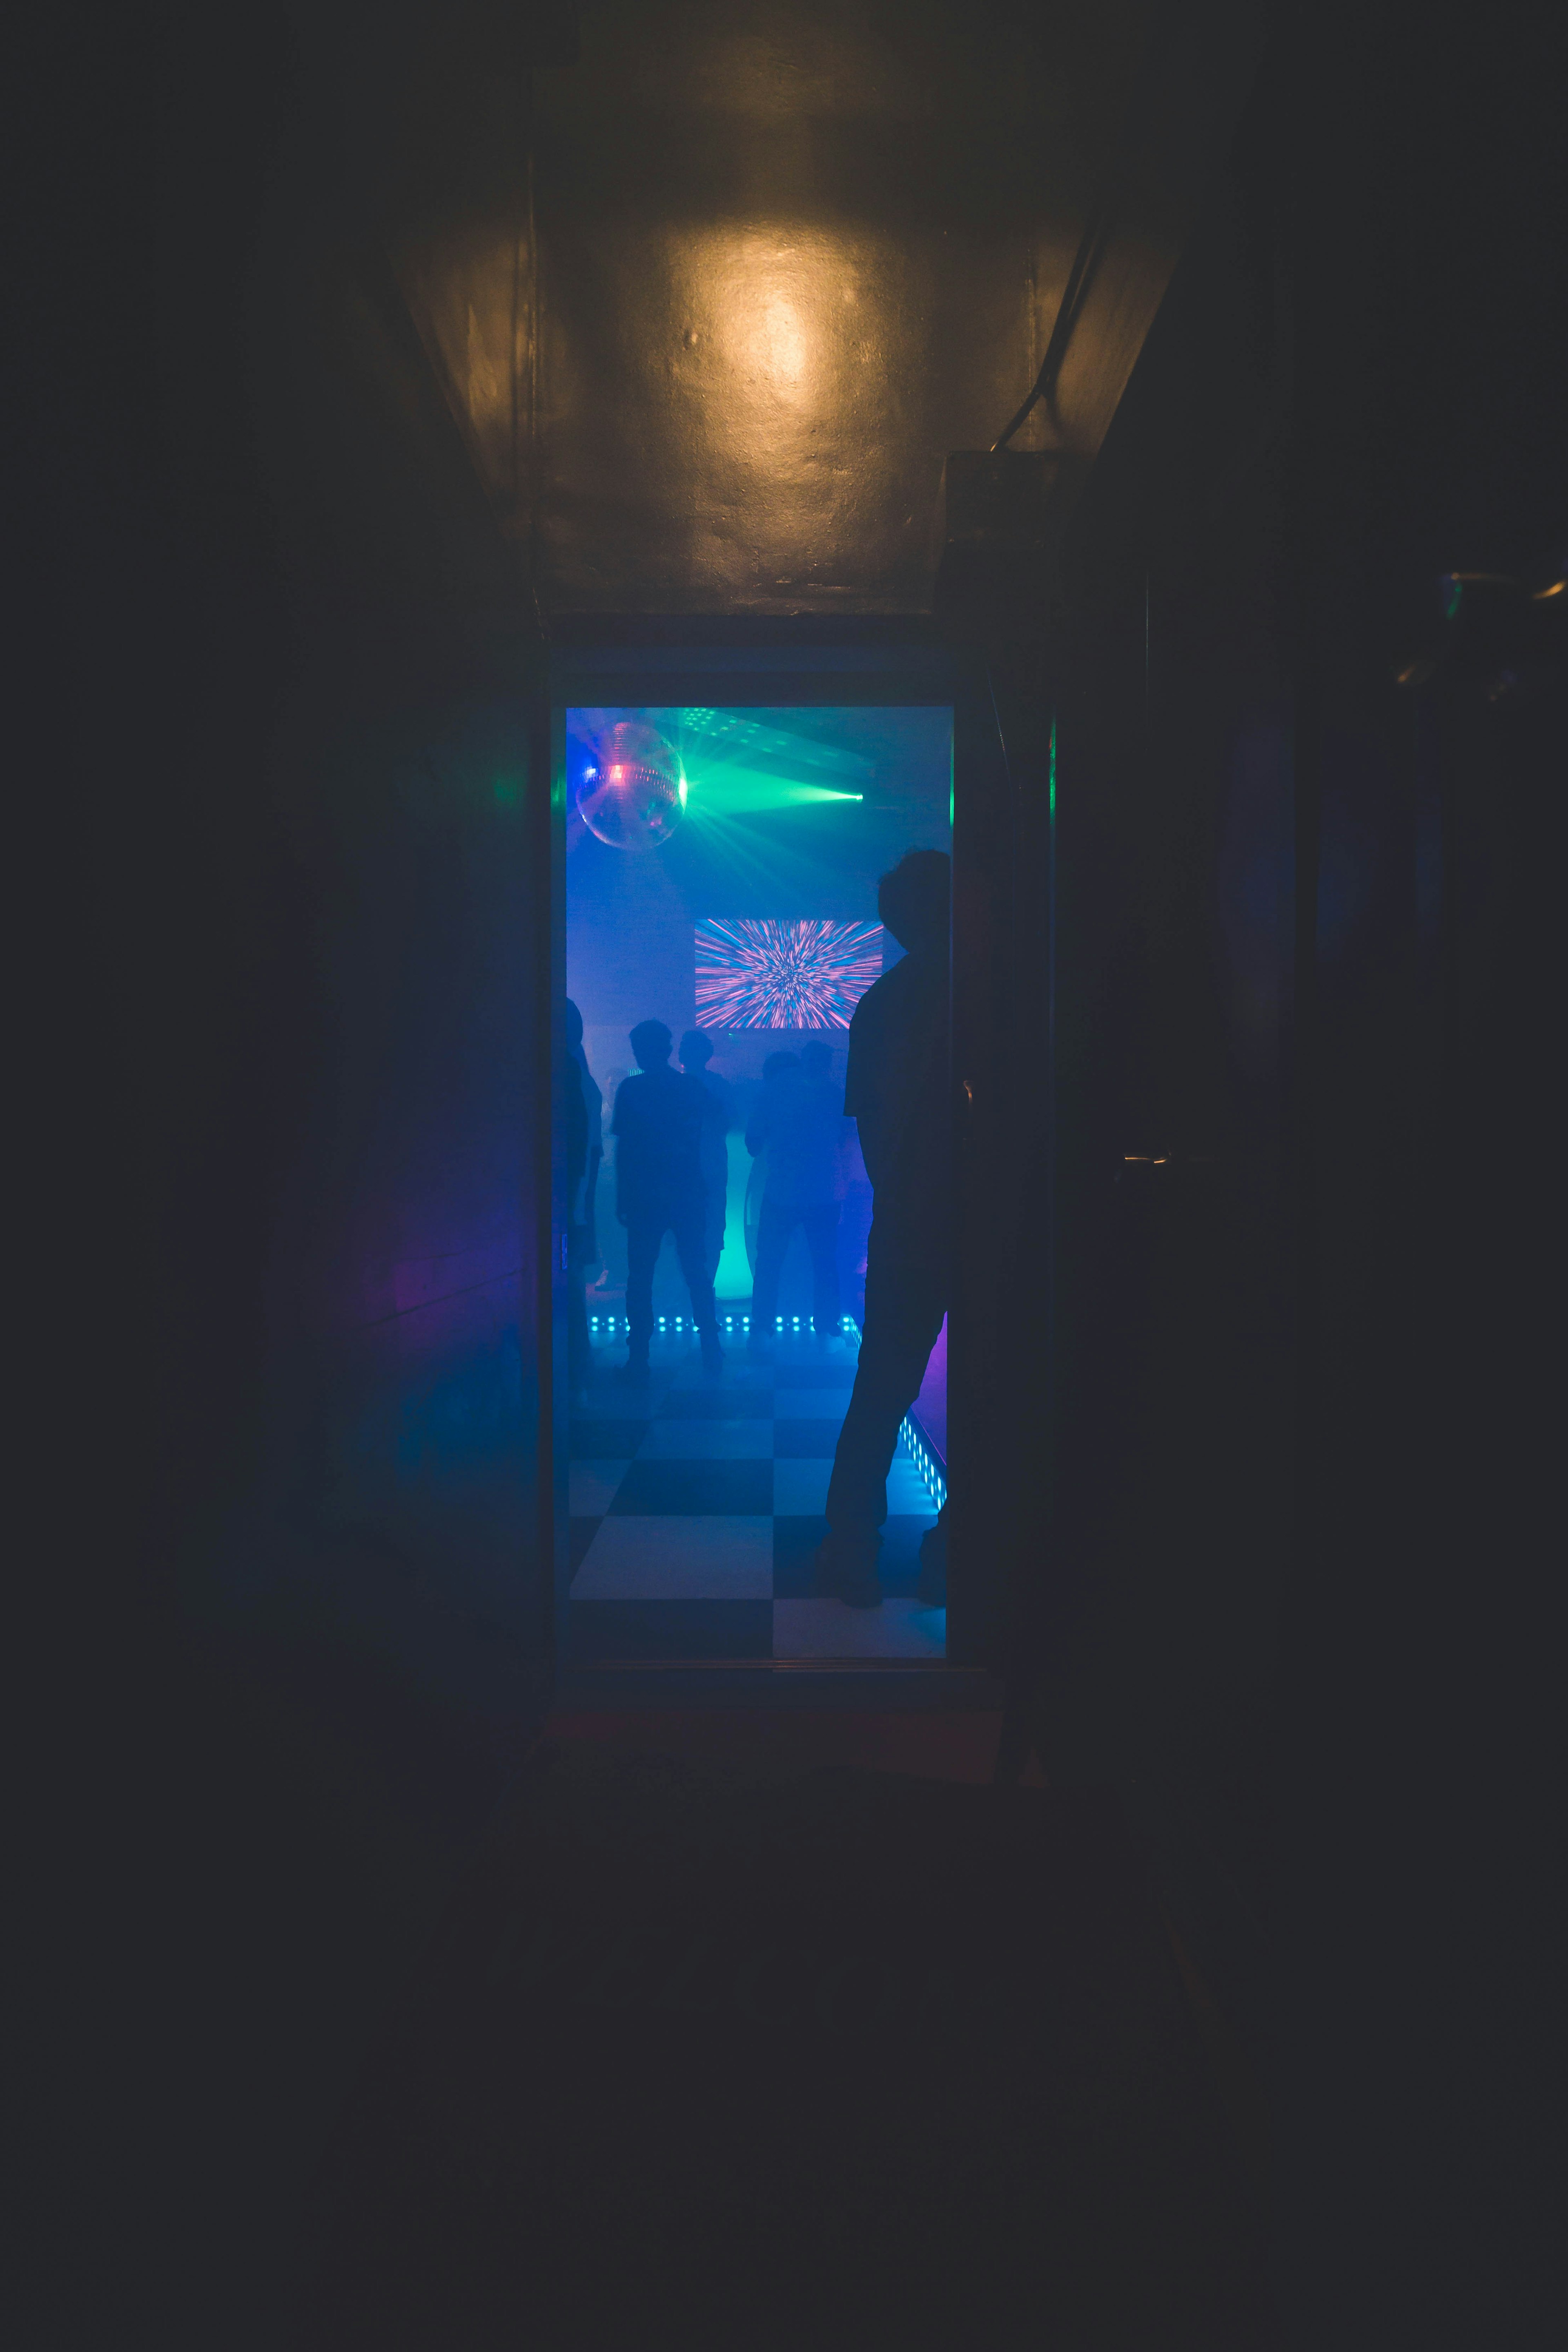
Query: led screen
x=809, y=974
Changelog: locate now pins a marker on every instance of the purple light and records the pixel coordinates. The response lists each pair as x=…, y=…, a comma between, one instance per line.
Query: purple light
x=771, y=975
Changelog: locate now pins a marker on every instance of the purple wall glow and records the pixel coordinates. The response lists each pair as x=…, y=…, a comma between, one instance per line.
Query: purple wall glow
x=928, y=1411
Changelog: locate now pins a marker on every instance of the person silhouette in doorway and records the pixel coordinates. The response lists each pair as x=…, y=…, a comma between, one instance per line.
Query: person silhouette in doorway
x=658, y=1128
x=696, y=1054
x=799, y=1121
x=585, y=1151
x=897, y=1092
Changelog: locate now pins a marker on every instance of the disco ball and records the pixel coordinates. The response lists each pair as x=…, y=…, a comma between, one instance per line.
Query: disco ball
x=632, y=793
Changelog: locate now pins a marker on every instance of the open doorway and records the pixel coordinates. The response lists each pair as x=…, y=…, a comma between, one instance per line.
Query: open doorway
x=721, y=880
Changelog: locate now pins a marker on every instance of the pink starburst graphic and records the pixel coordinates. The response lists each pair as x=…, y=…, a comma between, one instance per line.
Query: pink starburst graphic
x=755, y=975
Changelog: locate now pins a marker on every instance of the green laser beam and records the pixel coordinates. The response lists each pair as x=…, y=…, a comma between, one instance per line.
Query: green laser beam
x=728, y=789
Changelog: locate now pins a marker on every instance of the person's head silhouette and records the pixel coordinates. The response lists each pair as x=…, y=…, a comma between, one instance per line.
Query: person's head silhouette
x=696, y=1051
x=650, y=1042
x=778, y=1065
x=816, y=1058
x=573, y=1026
x=912, y=899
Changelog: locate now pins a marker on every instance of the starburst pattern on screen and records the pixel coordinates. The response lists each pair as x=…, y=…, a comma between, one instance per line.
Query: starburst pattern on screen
x=755, y=975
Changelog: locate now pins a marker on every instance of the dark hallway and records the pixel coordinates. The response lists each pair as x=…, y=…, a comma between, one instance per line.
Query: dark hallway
x=1128, y=1925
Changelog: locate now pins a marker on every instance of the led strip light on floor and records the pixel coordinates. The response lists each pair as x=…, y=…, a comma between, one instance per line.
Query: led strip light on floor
x=924, y=1462
x=920, y=1452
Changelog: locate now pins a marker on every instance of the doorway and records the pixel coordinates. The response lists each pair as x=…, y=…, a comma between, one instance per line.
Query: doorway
x=722, y=882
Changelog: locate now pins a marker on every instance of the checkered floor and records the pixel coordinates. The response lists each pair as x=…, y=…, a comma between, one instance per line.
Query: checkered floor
x=697, y=1506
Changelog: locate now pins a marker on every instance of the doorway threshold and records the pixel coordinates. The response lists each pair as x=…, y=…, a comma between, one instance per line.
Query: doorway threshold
x=863, y=1683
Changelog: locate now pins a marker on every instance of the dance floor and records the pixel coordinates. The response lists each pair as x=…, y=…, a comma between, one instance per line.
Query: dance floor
x=697, y=1505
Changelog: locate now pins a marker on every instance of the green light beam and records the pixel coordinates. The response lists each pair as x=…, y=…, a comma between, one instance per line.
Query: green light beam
x=725, y=788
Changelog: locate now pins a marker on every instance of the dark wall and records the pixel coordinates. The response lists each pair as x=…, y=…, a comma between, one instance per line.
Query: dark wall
x=298, y=1623
x=1299, y=1598
x=1415, y=1702
x=1175, y=845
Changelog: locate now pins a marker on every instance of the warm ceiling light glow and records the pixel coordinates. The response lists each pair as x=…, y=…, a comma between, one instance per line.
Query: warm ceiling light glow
x=766, y=292
x=785, y=347
x=779, y=343
x=780, y=310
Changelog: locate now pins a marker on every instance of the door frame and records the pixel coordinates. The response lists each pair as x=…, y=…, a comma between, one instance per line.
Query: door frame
x=897, y=661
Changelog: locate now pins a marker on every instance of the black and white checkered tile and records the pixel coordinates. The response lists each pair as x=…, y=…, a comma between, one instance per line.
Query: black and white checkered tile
x=697, y=1506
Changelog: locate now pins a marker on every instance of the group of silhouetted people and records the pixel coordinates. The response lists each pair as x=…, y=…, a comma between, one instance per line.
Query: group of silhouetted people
x=671, y=1129
x=662, y=1120
x=799, y=1124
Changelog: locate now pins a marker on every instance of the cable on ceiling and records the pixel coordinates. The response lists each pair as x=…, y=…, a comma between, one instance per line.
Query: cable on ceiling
x=1078, y=276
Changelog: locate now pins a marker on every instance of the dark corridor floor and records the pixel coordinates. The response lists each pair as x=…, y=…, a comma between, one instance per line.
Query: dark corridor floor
x=720, y=2052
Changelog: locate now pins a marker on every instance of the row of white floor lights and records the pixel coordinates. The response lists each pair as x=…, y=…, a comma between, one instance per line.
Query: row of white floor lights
x=614, y=1323
x=920, y=1452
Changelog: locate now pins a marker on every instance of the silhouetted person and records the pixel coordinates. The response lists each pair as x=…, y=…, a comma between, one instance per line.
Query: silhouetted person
x=799, y=1120
x=756, y=1182
x=584, y=1150
x=696, y=1052
x=659, y=1114
x=897, y=1091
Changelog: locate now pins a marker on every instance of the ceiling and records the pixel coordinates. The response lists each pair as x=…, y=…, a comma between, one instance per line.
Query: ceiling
x=712, y=302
